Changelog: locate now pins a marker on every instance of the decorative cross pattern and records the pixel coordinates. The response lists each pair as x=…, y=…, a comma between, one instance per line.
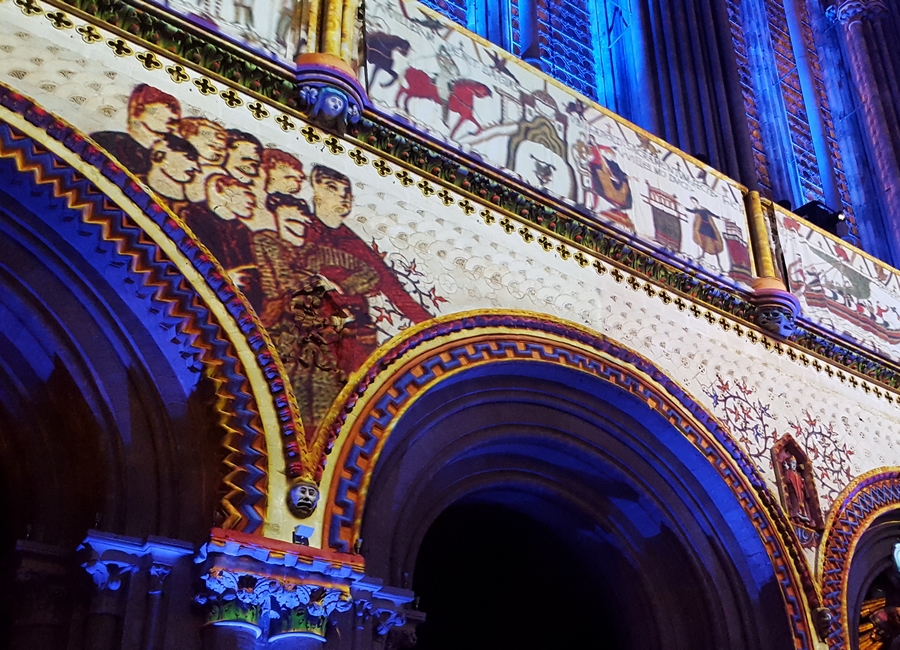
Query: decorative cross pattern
x=357, y=157
x=581, y=258
x=177, y=73
x=205, y=86
x=599, y=267
x=563, y=251
x=120, y=47
x=149, y=60
x=545, y=243
x=60, y=20
x=466, y=207
x=231, y=98
x=286, y=123
x=526, y=234
x=488, y=217
x=446, y=198
x=334, y=145
x=312, y=136
x=405, y=178
x=29, y=7
x=258, y=111
x=382, y=168
x=425, y=187
x=89, y=33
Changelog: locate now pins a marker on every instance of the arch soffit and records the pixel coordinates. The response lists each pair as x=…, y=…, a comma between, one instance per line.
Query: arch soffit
x=857, y=507
x=254, y=401
x=386, y=387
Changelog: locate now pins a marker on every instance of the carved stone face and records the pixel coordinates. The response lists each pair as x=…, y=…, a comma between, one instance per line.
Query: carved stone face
x=303, y=498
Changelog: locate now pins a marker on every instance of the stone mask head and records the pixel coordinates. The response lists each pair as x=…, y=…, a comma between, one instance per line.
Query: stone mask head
x=303, y=498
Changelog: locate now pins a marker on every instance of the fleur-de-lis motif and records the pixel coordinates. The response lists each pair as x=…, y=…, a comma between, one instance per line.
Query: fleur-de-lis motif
x=357, y=156
x=425, y=187
x=466, y=207
x=89, y=33
x=29, y=7
x=405, y=178
x=581, y=258
x=334, y=145
x=312, y=136
x=60, y=20
x=545, y=243
x=120, y=47
x=177, y=73
x=286, y=123
x=526, y=234
x=563, y=251
x=205, y=86
x=149, y=60
x=258, y=110
x=382, y=168
x=231, y=98
x=488, y=217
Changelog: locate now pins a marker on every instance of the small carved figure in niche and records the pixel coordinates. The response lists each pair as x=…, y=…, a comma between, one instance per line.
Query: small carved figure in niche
x=303, y=498
x=794, y=493
x=797, y=485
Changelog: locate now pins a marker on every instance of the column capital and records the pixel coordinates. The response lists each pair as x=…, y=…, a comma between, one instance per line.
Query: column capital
x=280, y=590
x=848, y=11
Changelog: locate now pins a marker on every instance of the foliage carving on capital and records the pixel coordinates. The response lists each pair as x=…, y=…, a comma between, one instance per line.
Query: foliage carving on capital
x=847, y=11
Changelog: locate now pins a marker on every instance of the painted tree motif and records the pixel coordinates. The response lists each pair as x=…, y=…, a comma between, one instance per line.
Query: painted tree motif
x=753, y=426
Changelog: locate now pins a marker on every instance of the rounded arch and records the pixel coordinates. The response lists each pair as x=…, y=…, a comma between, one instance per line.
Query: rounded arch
x=117, y=316
x=566, y=369
x=863, y=523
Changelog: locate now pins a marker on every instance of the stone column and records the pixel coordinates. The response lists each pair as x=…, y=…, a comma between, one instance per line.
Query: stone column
x=852, y=16
x=128, y=608
x=41, y=596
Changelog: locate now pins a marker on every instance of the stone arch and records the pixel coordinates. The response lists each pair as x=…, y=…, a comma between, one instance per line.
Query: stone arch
x=864, y=517
x=490, y=349
x=101, y=263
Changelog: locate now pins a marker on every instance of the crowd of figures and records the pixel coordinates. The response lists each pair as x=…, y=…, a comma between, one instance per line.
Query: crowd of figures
x=311, y=279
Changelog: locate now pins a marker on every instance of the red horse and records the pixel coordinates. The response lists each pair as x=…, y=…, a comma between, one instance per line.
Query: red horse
x=418, y=84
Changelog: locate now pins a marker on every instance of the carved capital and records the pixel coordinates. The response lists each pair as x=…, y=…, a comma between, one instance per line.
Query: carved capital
x=109, y=559
x=848, y=11
x=329, y=93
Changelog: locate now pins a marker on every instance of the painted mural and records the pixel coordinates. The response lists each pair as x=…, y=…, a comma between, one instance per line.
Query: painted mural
x=326, y=296
x=338, y=249
x=840, y=287
x=272, y=27
x=462, y=90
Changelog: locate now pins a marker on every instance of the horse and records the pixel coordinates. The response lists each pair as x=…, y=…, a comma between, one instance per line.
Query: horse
x=463, y=93
x=380, y=48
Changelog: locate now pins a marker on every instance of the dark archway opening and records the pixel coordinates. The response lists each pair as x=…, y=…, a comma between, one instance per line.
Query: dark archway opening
x=516, y=485
x=543, y=595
